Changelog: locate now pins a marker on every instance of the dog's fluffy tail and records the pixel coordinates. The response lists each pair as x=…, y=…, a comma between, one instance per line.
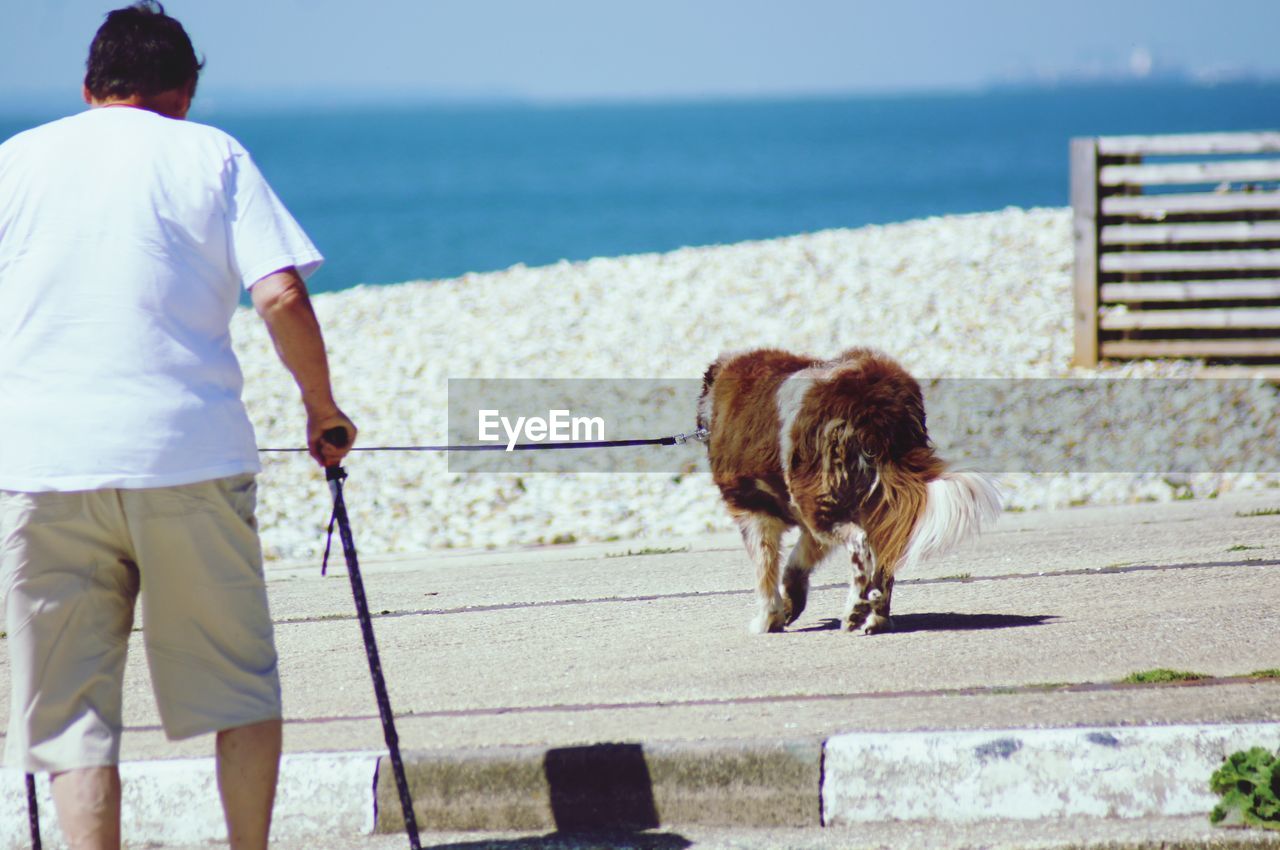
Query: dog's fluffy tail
x=957, y=506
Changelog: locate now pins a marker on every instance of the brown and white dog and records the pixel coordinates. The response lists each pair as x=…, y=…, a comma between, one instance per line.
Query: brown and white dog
x=839, y=448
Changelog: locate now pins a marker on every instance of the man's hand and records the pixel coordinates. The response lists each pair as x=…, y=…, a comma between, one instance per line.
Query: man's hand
x=324, y=451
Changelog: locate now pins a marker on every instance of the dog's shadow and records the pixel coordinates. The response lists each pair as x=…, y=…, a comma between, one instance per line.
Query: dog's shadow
x=945, y=622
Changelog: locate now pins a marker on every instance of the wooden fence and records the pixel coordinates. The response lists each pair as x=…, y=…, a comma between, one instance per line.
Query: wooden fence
x=1177, y=247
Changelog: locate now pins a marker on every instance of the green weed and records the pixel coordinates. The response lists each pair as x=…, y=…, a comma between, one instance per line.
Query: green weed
x=1161, y=675
x=648, y=550
x=1259, y=512
x=1249, y=784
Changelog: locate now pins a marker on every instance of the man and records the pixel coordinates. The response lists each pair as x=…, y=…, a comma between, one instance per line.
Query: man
x=126, y=234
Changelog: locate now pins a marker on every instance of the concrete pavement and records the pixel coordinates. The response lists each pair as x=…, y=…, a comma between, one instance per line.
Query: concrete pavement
x=509, y=670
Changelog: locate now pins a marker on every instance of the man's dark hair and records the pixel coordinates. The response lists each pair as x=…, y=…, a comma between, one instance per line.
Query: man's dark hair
x=139, y=50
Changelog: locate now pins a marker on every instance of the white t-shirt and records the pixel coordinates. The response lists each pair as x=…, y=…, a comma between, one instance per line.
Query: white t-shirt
x=125, y=239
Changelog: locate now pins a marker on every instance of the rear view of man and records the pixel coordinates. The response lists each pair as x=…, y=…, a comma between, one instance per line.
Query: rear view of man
x=127, y=463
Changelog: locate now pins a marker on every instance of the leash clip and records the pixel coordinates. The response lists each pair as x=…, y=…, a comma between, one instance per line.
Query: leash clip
x=700, y=435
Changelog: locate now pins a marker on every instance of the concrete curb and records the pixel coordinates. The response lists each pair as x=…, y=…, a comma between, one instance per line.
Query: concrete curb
x=1117, y=772
x=957, y=777
x=175, y=801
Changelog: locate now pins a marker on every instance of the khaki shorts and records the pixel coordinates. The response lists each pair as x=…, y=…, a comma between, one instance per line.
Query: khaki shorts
x=71, y=566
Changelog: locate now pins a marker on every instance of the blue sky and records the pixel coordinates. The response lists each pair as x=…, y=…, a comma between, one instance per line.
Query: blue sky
x=557, y=50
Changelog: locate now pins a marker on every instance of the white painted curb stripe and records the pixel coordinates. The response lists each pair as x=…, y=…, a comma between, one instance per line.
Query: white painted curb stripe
x=175, y=801
x=1027, y=774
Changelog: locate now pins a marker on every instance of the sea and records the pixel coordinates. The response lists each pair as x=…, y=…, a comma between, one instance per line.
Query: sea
x=435, y=190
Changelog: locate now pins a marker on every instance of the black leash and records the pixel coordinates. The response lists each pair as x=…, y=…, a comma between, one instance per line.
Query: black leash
x=674, y=440
x=335, y=476
x=33, y=812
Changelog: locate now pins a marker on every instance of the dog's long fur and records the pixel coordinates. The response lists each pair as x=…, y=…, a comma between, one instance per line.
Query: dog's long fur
x=839, y=448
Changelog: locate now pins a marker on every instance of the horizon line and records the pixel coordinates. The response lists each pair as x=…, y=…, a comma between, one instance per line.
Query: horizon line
x=218, y=98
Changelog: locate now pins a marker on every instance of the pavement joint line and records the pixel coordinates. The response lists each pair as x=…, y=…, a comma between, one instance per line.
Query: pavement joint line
x=702, y=594
x=985, y=690
x=989, y=690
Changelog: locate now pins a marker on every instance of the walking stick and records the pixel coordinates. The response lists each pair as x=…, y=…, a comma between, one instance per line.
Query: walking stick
x=335, y=475
x=33, y=812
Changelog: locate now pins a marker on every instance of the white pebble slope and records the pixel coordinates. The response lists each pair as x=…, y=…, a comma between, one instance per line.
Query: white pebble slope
x=983, y=295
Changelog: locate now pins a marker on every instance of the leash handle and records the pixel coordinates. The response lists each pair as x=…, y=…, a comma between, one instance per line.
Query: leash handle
x=336, y=437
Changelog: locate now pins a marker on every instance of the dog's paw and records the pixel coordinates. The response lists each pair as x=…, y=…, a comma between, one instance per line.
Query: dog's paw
x=766, y=622
x=795, y=594
x=877, y=624
x=854, y=618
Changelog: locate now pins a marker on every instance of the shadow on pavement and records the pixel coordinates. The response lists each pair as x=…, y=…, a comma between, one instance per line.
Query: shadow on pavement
x=578, y=841
x=601, y=796
x=936, y=622
x=600, y=787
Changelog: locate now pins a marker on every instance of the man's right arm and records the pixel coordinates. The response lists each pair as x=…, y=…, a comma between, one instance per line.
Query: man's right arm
x=282, y=301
